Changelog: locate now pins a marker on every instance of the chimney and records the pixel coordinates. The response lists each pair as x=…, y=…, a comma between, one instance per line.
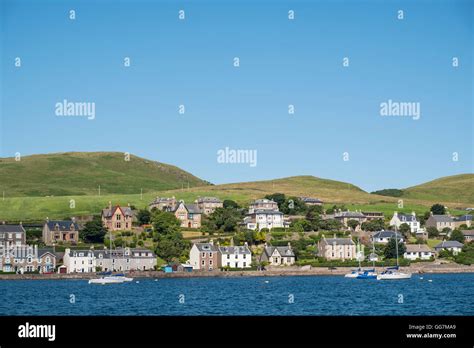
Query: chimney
x=73, y=219
x=289, y=245
x=431, y=213
x=21, y=223
x=413, y=213
x=246, y=244
x=265, y=245
x=47, y=219
x=334, y=236
x=211, y=242
x=3, y=222
x=395, y=213
x=110, y=205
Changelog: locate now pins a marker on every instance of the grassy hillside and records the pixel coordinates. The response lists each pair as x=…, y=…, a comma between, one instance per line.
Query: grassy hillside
x=80, y=173
x=456, y=189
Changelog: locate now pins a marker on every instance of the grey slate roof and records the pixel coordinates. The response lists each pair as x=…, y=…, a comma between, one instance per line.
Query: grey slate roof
x=339, y=241
x=11, y=228
x=64, y=225
x=348, y=214
x=206, y=247
x=468, y=232
x=418, y=248
x=208, y=200
x=108, y=212
x=283, y=250
x=464, y=218
x=234, y=250
x=449, y=244
x=442, y=218
x=387, y=234
x=406, y=217
x=265, y=211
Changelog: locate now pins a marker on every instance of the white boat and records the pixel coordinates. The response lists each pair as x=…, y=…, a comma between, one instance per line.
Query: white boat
x=106, y=280
x=393, y=273
x=354, y=273
x=122, y=277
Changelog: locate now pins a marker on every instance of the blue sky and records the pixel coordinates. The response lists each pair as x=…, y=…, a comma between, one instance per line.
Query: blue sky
x=283, y=62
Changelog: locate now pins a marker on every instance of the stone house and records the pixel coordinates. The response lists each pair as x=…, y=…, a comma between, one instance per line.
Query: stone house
x=205, y=256
x=11, y=235
x=117, y=218
x=337, y=248
x=65, y=231
x=189, y=215
x=208, y=205
x=278, y=255
x=27, y=258
x=163, y=203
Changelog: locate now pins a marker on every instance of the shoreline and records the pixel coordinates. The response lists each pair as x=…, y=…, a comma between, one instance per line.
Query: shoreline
x=271, y=272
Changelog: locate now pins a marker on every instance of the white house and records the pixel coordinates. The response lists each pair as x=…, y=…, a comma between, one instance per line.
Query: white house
x=418, y=251
x=86, y=261
x=79, y=261
x=264, y=219
x=451, y=245
x=383, y=237
x=278, y=256
x=410, y=219
x=235, y=256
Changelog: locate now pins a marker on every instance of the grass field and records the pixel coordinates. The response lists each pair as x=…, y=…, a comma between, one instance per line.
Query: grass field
x=64, y=185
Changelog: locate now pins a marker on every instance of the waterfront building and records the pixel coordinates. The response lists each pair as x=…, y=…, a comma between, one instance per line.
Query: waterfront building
x=278, y=255
x=418, y=251
x=65, y=231
x=337, y=248
x=11, y=235
x=204, y=256
x=235, y=256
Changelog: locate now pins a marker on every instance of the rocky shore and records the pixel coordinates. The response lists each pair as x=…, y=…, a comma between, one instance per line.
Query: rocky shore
x=416, y=268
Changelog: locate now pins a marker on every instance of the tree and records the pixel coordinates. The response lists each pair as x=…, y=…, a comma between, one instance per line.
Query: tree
x=446, y=231
x=438, y=209
x=373, y=225
x=93, y=231
x=405, y=230
x=390, y=251
x=143, y=217
x=293, y=206
x=228, y=203
x=457, y=235
x=313, y=216
x=330, y=225
x=172, y=246
x=165, y=222
x=432, y=232
x=353, y=224
x=301, y=225
x=279, y=198
x=222, y=219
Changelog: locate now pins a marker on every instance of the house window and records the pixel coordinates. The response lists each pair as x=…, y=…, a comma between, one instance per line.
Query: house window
x=48, y=259
x=203, y=262
x=118, y=217
x=118, y=225
x=228, y=256
x=210, y=262
x=245, y=264
x=210, y=254
x=71, y=236
x=203, y=254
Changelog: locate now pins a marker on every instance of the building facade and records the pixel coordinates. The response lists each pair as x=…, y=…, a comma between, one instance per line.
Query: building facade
x=410, y=219
x=164, y=203
x=278, y=255
x=189, y=215
x=207, y=205
x=337, y=248
x=26, y=259
x=418, y=251
x=55, y=231
x=383, y=237
x=204, y=256
x=12, y=235
x=235, y=256
x=117, y=218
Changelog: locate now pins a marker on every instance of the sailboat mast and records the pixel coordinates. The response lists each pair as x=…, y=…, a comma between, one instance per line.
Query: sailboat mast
x=396, y=244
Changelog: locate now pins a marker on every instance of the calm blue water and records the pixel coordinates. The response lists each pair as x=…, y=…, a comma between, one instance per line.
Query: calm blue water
x=447, y=294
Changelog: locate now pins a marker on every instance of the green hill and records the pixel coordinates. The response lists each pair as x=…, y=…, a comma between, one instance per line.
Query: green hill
x=81, y=173
x=455, y=189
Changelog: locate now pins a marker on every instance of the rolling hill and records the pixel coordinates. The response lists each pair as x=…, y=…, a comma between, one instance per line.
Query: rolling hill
x=456, y=189
x=81, y=173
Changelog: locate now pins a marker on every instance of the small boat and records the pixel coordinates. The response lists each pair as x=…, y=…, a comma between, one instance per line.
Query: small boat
x=354, y=273
x=368, y=274
x=106, y=280
x=122, y=277
x=393, y=273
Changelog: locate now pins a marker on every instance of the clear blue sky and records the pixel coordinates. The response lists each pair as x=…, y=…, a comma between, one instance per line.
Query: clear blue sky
x=282, y=62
